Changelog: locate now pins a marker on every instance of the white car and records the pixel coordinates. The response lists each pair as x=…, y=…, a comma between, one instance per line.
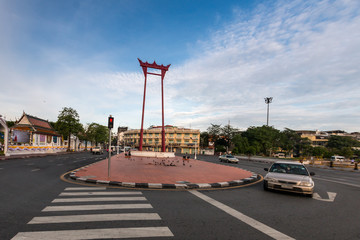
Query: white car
x=289, y=176
x=228, y=158
x=97, y=150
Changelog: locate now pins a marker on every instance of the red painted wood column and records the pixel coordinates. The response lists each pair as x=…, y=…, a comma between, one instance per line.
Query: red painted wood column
x=162, y=102
x=143, y=111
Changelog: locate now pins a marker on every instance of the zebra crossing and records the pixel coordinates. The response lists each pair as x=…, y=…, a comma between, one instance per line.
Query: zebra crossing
x=76, y=207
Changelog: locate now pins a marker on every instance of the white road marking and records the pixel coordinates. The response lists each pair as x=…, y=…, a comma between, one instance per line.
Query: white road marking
x=35, y=170
x=109, y=233
x=99, y=199
x=95, y=218
x=84, y=188
x=98, y=193
x=331, y=196
x=248, y=220
x=95, y=207
x=328, y=180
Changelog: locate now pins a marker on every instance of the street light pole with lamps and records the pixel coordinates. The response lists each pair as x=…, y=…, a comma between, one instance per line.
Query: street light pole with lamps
x=268, y=100
x=195, y=147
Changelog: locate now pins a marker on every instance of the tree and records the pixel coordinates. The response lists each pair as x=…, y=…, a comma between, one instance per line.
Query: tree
x=266, y=138
x=204, y=139
x=83, y=136
x=68, y=123
x=241, y=143
x=347, y=152
x=290, y=141
x=305, y=147
x=97, y=133
x=10, y=123
x=339, y=142
x=228, y=132
x=214, y=133
x=319, y=151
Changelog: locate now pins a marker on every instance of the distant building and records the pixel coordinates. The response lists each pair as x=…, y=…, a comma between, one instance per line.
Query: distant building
x=320, y=138
x=34, y=135
x=177, y=139
x=120, y=135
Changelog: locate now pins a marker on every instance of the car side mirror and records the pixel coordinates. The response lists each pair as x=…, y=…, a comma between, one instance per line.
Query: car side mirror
x=266, y=169
x=312, y=173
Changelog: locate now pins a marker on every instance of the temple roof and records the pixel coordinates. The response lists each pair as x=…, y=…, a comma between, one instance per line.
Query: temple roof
x=35, y=124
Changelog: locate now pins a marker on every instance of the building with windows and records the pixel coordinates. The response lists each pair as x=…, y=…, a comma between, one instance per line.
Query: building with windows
x=320, y=138
x=120, y=135
x=177, y=139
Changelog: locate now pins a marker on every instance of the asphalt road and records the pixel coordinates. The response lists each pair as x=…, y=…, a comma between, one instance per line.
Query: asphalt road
x=33, y=195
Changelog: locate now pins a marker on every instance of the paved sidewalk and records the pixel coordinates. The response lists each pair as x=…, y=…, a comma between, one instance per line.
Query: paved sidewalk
x=148, y=172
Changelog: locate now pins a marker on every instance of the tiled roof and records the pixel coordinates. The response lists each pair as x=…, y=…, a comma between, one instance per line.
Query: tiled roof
x=37, y=122
x=36, y=125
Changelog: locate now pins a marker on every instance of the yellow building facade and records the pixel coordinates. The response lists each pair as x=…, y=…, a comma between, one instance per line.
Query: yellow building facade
x=178, y=140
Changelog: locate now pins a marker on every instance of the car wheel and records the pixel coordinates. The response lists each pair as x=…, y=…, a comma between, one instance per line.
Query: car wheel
x=309, y=195
x=265, y=185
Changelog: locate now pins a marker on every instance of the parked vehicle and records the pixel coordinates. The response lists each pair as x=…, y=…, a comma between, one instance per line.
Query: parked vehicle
x=228, y=158
x=289, y=176
x=279, y=155
x=338, y=158
x=97, y=150
x=126, y=149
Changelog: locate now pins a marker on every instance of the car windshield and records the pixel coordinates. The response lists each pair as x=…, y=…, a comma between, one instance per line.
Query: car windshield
x=289, y=168
x=230, y=156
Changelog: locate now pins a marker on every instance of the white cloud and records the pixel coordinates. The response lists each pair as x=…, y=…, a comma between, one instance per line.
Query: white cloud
x=301, y=54
x=304, y=54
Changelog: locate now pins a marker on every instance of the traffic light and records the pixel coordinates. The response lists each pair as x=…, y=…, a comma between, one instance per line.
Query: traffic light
x=111, y=122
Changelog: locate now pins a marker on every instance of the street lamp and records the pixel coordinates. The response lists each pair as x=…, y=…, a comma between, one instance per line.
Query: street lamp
x=268, y=100
x=195, y=147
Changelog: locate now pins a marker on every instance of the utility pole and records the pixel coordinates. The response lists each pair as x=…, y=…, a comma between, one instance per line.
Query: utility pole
x=268, y=100
x=194, y=147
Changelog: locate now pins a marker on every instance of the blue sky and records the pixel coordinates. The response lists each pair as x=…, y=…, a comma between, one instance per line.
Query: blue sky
x=225, y=56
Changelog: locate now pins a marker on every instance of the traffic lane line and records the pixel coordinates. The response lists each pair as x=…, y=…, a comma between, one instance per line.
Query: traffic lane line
x=95, y=207
x=84, y=188
x=95, y=218
x=98, y=199
x=98, y=193
x=240, y=216
x=334, y=181
x=109, y=233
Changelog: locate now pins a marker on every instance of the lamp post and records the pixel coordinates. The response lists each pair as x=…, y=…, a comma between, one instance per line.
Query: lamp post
x=268, y=100
x=195, y=147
